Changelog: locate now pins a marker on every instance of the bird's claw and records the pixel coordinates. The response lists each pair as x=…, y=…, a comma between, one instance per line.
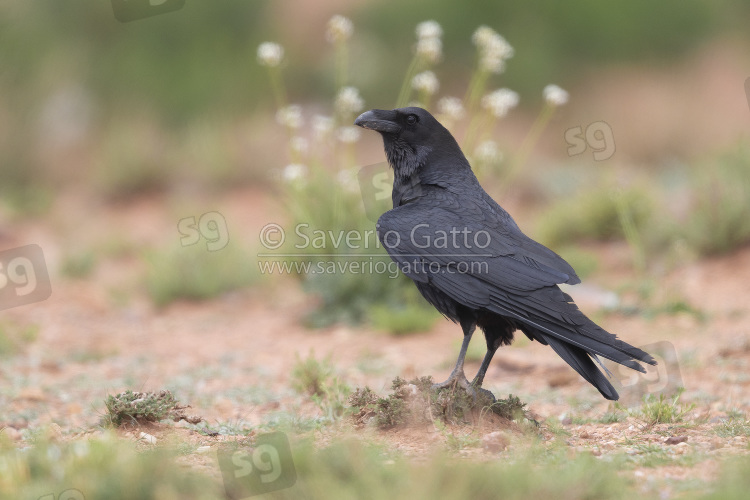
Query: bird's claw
x=457, y=380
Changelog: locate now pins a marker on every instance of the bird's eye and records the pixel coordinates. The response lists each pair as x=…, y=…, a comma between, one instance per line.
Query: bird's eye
x=412, y=119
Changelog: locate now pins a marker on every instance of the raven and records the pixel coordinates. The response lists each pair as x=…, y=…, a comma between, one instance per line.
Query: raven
x=469, y=259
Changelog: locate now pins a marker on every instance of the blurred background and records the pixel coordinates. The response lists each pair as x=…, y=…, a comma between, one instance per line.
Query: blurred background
x=116, y=139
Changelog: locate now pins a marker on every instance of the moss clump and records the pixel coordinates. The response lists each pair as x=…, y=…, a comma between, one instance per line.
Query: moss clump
x=140, y=407
x=417, y=401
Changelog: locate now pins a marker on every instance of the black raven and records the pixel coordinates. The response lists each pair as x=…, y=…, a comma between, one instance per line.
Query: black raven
x=470, y=260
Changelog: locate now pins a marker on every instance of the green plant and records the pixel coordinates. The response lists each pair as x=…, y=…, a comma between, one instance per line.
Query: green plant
x=194, y=273
x=134, y=159
x=137, y=407
x=595, y=214
x=663, y=409
x=13, y=337
x=417, y=401
x=316, y=379
x=101, y=467
x=403, y=320
x=612, y=416
x=457, y=441
x=310, y=376
x=718, y=221
x=512, y=408
x=385, y=412
x=78, y=265
x=732, y=427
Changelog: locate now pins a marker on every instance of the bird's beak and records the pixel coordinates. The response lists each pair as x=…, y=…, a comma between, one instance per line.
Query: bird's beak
x=380, y=120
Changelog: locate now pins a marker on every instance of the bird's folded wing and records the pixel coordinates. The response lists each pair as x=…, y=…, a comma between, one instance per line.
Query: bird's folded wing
x=433, y=239
x=496, y=274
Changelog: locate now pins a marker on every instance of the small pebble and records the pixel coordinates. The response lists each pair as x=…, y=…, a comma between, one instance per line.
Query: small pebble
x=148, y=438
x=495, y=441
x=676, y=439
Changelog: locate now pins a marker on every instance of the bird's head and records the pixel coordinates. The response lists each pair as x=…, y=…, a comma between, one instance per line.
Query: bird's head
x=410, y=136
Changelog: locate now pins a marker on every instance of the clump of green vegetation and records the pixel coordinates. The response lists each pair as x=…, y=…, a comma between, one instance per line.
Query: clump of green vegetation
x=133, y=160
x=310, y=376
x=657, y=455
x=663, y=409
x=512, y=408
x=673, y=307
x=733, y=426
x=194, y=273
x=403, y=320
x=316, y=379
x=352, y=469
x=139, y=407
x=612, y=416
x=417, y=401
x=594, y=215
x=385, y=412
x=718, y=221
x=100, y=467
x=78, y=265
x=457, y=441
x=13, y=337
x=391, y=411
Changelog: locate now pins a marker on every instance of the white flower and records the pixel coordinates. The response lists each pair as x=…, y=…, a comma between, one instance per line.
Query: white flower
x=290, y=116
x=492, y=63
x=299, y=145
x=429, y=29
x=430, y=49
x=322, y=126
x=426, y=82
x=487, y=153
x=349, y=101
x=500, y=101
x=451, y=107
x=270, y=54
x=493, y=49
x=554, y=95
x=293, y=172
x=482, y=35
x=348, y=135
x=339, y=29
x=347, y=179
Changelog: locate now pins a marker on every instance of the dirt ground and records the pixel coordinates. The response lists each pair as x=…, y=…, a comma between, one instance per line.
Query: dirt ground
x=231, y=358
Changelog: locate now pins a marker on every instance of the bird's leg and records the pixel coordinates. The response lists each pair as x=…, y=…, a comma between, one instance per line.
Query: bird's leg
x=457, y=376
x=479, y=379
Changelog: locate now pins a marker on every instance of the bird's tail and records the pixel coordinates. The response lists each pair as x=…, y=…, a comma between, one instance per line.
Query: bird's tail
x=581, y=362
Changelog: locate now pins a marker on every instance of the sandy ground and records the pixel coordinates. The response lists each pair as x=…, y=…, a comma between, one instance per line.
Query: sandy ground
x=231, y=358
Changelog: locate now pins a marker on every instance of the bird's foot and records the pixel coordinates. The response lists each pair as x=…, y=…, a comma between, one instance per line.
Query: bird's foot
x=458, y=380
x=483, y=393
x=486, y=395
